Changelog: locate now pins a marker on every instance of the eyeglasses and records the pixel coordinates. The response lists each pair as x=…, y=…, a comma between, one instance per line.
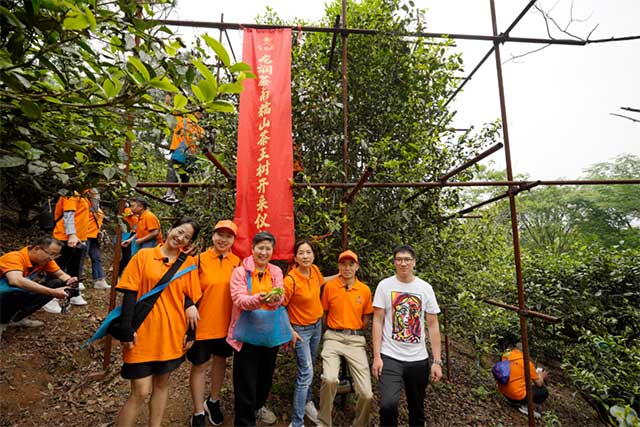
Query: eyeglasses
x=406, y=260
x=52, y=256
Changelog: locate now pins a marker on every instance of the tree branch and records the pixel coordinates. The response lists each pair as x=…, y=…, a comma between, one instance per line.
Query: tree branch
x=549, y=22
x=625, y=117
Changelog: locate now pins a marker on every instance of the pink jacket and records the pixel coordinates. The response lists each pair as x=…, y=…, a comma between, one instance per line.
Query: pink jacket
x=240, y=294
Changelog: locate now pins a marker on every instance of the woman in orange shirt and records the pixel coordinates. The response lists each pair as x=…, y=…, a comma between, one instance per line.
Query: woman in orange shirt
x=215, y=268
x=302, y=299
x=158, y=346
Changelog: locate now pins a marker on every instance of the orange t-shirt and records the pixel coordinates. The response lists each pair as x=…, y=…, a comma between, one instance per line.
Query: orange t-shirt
x=147, y=223
x=194, y=133
x=161, y=334
x=302, y=296
x=130, y=218
x=215, y=305
x=261, y=285
x=516, y=389
x=78, y=204
x=95, y=223
x=20, y=261
x=346, y=307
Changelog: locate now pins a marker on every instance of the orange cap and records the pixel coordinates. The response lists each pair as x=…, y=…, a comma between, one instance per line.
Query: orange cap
x=347, y=255
x=227, y=225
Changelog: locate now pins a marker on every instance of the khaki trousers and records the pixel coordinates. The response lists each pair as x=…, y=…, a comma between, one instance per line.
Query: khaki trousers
x=353, y=348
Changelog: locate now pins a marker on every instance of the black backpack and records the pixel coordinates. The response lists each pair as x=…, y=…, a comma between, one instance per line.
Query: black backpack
x=47, y=220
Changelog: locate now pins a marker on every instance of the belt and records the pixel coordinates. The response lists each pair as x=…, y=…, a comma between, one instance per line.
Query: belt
x=358, y=332
x=306, y=327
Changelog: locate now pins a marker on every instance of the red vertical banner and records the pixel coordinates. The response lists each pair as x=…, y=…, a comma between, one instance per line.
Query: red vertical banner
x=264, y=197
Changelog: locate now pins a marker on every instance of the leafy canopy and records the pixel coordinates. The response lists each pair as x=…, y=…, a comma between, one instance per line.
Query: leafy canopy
x=79, y=78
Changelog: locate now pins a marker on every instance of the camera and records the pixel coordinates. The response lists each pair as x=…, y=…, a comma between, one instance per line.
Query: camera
x=71, y=292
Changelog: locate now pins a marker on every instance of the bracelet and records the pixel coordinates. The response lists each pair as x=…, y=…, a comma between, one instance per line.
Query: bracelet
x=438, y=362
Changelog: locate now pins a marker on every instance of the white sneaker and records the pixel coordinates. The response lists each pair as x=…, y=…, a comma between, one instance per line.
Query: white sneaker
x=101, y=284
x=311, y=412
x=523, y=408
x=52, y=307
x=170, y=198
x=27, y=322
x=81, y=286
x=266, y=415
x=78, y=300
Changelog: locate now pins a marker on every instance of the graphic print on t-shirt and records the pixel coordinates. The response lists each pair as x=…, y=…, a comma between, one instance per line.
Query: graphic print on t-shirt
x=406, y=311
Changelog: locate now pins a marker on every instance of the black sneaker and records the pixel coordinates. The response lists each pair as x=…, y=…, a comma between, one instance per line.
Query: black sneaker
x=213, y=411
x=198, y=421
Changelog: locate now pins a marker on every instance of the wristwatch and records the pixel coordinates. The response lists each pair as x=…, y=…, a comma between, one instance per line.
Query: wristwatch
x=438, y=362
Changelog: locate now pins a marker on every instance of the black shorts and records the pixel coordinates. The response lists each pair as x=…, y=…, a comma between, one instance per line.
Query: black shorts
x=201, y=351
x=134, y=371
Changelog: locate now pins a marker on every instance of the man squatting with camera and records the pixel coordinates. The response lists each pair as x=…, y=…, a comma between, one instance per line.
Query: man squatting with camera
x=20, y=293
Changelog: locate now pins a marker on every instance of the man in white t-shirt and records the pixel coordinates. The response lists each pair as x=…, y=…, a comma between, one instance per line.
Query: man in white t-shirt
x=402, y=306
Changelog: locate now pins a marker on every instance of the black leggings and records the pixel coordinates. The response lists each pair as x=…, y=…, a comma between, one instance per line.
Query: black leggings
x=540, y=394
x=70, y=259
x=253, y=368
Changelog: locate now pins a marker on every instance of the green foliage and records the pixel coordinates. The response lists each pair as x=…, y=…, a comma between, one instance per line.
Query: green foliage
x=625, y=416
x=397, y=125
x=78, y=79
x=605, y=367
x=580, y=262
x=557, y=218
x=480, y=392
x=550, y=419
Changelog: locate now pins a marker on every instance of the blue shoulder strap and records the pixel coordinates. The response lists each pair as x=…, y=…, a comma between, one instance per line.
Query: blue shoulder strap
x=248, y=281
x=5, y=287
x=115, y=313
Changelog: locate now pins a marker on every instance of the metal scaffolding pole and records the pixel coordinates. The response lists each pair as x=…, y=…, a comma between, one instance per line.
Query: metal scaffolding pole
x=434, y=184
x=345, y=31
x=345, y=127
x=514, y=218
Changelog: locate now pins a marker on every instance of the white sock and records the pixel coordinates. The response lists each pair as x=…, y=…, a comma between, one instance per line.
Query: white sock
x=198, y=413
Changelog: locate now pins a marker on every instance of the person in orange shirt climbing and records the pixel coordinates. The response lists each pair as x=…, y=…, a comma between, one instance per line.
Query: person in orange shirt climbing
x=302, y=298
x=215, y=268
x=148, y=231
x=183, y=149
x=158, y=346
x=347, y=308
x=515, y=391
x=71, y=216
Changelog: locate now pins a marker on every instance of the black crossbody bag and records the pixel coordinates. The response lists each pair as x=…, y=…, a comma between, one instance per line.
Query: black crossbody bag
x=142, y=308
